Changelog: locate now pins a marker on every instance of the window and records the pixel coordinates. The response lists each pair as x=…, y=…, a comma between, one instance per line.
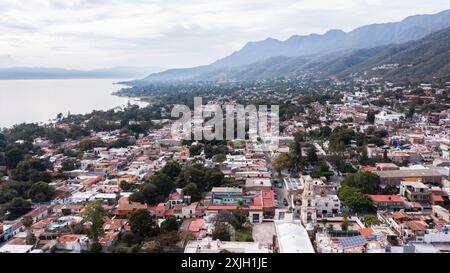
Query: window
x=255, y=218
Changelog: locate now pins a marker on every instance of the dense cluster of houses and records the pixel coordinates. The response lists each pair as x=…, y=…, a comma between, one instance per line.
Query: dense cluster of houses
x=297, y=214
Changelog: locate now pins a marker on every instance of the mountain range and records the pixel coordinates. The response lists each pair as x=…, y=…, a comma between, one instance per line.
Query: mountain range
x=419, y=44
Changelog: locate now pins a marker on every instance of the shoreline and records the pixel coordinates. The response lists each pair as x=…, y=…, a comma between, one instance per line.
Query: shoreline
x=30, y=105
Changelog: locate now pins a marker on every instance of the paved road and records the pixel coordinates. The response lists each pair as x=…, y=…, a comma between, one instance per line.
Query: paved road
x=281, y=193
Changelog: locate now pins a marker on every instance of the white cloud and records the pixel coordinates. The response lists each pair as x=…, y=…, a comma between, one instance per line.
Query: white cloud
x=171, y=33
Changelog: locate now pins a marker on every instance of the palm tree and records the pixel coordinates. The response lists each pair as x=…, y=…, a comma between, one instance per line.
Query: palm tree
x=27, y=222
x=345, y=223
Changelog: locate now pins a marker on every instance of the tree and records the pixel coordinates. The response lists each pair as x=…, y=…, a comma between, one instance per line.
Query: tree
x=366, y=182
x=89, y=144
x=70, y=165
x=195, y=150
x=296, y=153
x=151, y=247
x=148, y=194
x=312, y=155
x=353, y=198
x=193, y=174
x=172, y=169
x=96, y=247
x=32, y=169
x=219, y=158
x=325, y=131
x=164, y=184
x=411, y=111
x=281, y=162
x=95, y=214
x=371, y=220
x=129, y=238
x=236, y=219
x=364, y=157
x=137, y=197
x=170, y=224
x=221, y=232
x=143, y=224
x=125, y=186
x=13, y=156
x=192, y=190
x=27, y=221
x=214, y=178
x=56, y=135
x=121, y=143
x=391, y=190
x=370, y=117
x=320, y=170
x=17, y=207
x=345, y=222
x=168, y=238
x=41, y=192
x=30, y=239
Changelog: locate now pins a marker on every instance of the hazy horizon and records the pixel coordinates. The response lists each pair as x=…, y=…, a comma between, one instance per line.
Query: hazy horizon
x=87, y=35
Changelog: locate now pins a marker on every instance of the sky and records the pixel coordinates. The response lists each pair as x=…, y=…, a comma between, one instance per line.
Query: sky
x=90, y=34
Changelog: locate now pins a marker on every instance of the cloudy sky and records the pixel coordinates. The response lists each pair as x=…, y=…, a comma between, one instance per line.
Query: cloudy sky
x=88, y=34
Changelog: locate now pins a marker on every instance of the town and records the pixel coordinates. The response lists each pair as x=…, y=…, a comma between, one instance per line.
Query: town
x=361, y=166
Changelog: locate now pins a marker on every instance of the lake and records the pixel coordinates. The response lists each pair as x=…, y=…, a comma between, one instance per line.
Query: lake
x=34, y=101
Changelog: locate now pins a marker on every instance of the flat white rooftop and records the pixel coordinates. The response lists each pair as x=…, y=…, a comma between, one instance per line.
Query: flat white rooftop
x=15, y=248
x=208, y=245
x=293, y=238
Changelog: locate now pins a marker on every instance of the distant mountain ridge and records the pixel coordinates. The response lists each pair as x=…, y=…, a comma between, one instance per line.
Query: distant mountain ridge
x=26, y=73
x=423, y=59
x=271, y=52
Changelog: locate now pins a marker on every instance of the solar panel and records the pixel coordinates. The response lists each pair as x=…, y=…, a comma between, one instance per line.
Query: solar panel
x=353, y=241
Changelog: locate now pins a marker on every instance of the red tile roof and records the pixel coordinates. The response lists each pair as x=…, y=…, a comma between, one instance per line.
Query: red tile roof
x=168, y=213
x=437, y=198
x=416, y=225
x=266, y=199
x=69, y=238
x=196, y=225
x=385, y=198
x=366, y=231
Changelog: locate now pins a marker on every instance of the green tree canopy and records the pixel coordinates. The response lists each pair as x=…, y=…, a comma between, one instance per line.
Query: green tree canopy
x=221, y=232
x=164, y=184
x=143, y=224
x=41, y=192
x=95, y=214
x=366, y=182
x=354, y=199
x=13, y=156
x=281, y=162
x=18, y=207
x=70, y=164
x=169, y=224
x=172, y=169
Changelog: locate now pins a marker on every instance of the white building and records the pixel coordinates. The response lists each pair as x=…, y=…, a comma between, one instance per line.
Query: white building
x=385, y=119
x=327, y=205
x=208, y=245
x=292, y=237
